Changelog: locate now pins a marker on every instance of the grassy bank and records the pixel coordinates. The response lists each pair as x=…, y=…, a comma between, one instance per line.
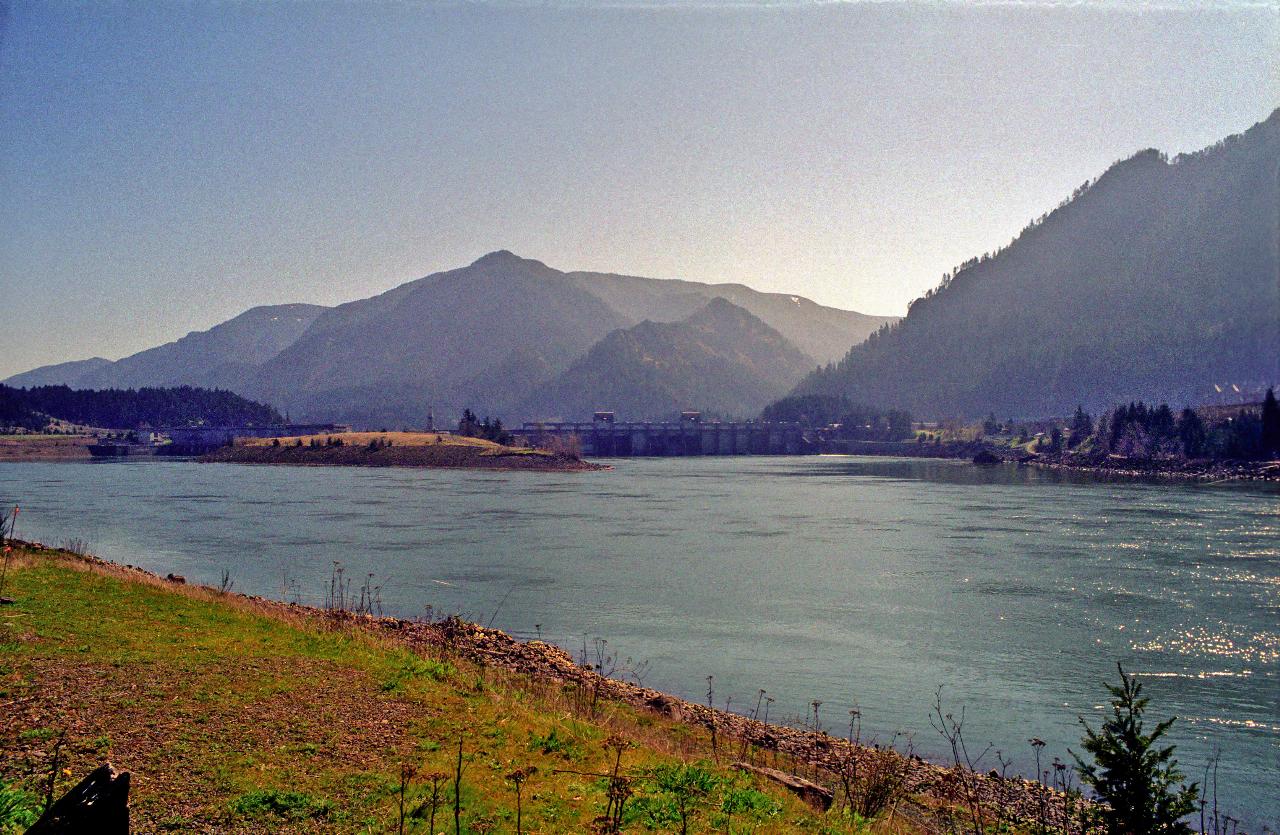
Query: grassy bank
x=395, y=449
x=33, y=447
x=239, y=715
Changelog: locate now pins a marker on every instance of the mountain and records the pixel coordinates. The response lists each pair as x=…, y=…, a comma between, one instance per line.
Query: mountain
x=221, y=357
x=63, y=373
x=721, y=360
x=486, y=336
x=424, y=344
x=1157, y=281
x=491, y=335
x=824, y=333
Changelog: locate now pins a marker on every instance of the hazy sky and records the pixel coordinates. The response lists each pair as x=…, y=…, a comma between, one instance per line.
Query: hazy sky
x=164, y=166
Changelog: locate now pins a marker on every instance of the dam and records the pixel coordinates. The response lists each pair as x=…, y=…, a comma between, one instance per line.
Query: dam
x=605, y=437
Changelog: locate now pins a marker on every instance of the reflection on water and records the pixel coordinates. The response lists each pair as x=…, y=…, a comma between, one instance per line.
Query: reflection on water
x=863, y=582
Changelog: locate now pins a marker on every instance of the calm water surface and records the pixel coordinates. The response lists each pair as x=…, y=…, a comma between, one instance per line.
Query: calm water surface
x=853, y=581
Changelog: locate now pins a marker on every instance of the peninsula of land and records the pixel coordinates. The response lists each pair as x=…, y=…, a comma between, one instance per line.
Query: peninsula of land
x=397, y=449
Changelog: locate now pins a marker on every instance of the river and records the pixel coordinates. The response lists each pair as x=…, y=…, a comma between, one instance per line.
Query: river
x=852, y=581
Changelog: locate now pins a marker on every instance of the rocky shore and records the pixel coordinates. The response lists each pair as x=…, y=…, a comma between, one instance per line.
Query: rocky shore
x=1014, y=798
x=1202, y=470
x=1173, y=469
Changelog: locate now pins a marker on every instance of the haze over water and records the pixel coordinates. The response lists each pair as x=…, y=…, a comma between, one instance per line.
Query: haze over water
x=865, y=582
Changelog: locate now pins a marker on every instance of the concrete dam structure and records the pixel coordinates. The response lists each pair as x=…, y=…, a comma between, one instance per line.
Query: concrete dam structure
x=603, y=437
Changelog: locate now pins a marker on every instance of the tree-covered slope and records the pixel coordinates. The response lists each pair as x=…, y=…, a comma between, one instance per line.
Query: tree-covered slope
x=1157, y=281
x=130, y=408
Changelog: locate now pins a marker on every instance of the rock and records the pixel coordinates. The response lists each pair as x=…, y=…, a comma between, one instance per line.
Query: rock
x=819, y=797
x=667, y=706
x=986, y=457
x=98, y=805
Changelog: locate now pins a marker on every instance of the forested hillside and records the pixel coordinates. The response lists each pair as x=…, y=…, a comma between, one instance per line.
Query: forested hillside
x=1157, y=281
x=130, y=408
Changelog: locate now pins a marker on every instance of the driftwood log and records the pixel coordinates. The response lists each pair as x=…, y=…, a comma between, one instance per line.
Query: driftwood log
x=98, y=805
x=819, y=797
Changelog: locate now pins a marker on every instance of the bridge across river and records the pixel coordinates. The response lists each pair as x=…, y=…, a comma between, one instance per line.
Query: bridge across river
x=606, y=438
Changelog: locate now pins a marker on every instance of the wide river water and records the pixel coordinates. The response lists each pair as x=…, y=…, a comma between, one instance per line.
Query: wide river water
x=853, y=581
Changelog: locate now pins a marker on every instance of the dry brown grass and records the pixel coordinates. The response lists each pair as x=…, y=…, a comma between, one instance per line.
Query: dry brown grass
x=363, y=438
x=44, y=447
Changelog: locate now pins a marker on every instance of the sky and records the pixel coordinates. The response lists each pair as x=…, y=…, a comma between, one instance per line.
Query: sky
x=165, y=166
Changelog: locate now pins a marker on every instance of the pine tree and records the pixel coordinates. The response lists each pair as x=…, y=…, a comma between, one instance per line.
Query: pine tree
x=1192, y=433
x=1270, y=425
x=1140, y=783
x=1081, y=427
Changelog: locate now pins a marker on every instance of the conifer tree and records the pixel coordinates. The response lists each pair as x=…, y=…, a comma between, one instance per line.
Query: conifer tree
x=1192, y=434
x=1270, y=425
x=1139, y=782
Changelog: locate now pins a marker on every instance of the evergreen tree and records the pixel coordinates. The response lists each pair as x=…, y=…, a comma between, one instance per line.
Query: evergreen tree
x=1192, y=434
x=1140, y=783
x=1270, y=425
x=1081, y=427
x=469, y=424
x=1160, y=426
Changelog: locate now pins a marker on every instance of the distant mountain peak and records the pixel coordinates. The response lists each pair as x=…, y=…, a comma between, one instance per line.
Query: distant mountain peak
x=718, y=310
x=503, y=258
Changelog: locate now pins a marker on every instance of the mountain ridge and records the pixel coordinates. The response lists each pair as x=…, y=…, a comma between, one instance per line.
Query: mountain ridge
x=1158, y=280
x=483, y=336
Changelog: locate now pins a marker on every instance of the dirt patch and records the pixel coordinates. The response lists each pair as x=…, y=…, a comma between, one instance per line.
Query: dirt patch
x=172, y=724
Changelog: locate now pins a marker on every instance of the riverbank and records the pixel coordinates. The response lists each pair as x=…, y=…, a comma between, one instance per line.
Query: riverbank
x=396, y=449
x=237, y=713
x=45, y=447
x=1202, y=470
x=1193, y=470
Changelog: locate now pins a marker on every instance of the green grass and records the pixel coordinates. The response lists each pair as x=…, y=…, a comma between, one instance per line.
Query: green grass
x=232, y=718
x=18, y=809
x=266, y=804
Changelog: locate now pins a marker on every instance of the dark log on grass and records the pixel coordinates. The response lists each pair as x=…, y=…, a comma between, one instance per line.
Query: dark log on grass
x=819, y=797
x=99, y=805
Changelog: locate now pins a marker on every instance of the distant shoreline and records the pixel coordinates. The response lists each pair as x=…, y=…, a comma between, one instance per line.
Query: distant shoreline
x=1199, y=471
x=1195, y=471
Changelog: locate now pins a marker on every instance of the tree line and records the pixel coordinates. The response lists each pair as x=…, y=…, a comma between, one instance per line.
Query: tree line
x=470, y=426
x=131, y=409
x=1137, y=430
x=847, y=419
